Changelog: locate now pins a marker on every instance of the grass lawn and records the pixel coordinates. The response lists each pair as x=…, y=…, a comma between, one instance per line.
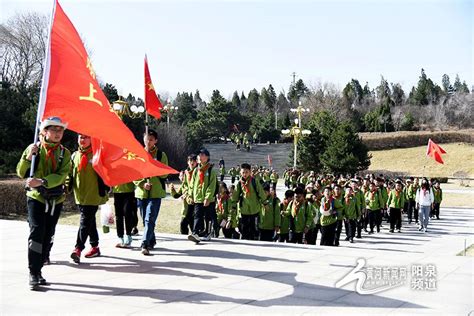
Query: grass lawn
x=413, y=161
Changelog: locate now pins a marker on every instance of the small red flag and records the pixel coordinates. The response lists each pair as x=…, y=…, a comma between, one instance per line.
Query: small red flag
x=152, y=104
x=70, y=91
x=435, y=151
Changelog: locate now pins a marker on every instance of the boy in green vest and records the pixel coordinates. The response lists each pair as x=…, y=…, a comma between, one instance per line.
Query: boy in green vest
x=339, y=206
x=284, y=217
x=438, y=197
x=203, y=194
x=248, y=197
x=410, y=195
x=328, y=218
x=274, y=179
x=374, y=202
x=351, y=213
x=149, y=193
x=187, y=218
x=52, y=164
x=395, y=202
x=89, y=192
x=269, y=215
x=301, y=215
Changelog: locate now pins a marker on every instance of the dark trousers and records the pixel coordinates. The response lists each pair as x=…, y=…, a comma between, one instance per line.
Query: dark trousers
x=296, y=238
x=412, y=211
x=337, y=234
x=284, y=237
x=210, y=215
x=42, y=230
x=249, y=224
x=87, y=227
x=311, y=236
x=360, y=224
x=373, y=219
x=125, y=205
x=222, y=177
x=379, y=217
x=327, y=234
x=395, y=218
x=266, y=234
x=350, y=225
x=435, y=209
x=232, y=180
x=274, y=186
x=187, y=221
x=230, y=233
x=199, y=215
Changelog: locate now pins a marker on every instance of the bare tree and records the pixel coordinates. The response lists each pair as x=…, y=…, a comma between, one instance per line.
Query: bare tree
x=22, y=48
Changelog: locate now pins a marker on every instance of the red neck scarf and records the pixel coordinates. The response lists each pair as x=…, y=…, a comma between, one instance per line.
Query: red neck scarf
x=296, y=208
x=246, y=185
x=50, y=149
x=220, y=203
x=202, y=172
x=84, y=159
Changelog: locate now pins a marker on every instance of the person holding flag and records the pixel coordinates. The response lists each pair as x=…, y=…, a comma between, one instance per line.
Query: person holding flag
x=45, y=165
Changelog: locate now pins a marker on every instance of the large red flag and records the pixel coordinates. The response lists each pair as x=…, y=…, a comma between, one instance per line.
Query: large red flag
x=152, y=104
x=435, y=151
x=70, y=91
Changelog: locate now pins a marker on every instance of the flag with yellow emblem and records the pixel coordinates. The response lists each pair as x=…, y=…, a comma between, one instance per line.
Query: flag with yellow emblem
x=152, y=104
x=70, y=91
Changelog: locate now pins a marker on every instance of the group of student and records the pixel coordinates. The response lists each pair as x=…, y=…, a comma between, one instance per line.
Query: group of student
x=57, y=172
x=243, y=140
x=247, y=209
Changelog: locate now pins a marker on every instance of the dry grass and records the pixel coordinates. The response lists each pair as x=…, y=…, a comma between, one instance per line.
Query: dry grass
x=413, y=161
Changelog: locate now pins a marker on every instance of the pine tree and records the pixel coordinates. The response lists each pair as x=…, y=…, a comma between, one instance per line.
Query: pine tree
x=272, y=95
x=265, y=101
x=253, y=101
x=236, y=100
x=297, y=91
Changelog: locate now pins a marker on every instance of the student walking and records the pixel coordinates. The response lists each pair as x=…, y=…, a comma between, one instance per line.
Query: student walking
x=125, y=205
x=45, y=193
x=374, y=202
x=438, y=198
x=89, y=192
x=395, y=202
x=424, y=200
x=328, y=218
x=270, y=219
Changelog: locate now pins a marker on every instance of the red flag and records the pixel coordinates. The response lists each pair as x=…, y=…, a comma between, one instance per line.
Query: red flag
x=116, y=165
x=152, y=104
x=70, y=91
x=435, y=151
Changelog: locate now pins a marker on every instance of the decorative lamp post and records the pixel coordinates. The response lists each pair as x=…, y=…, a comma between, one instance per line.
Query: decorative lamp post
x=123, y=108
x=169, y=109
x=297, y=132
x=299, y=110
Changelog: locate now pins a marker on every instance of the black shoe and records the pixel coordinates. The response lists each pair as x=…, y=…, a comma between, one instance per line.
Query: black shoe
x=352, y=240
x=437, y=217
x=371, y=232
x=134, y=231
x=378, y=229
x=358, y=236
x=46, y=262
x=391, y=230
x=33, y=281
x=41, y=280
x=347, y=238
x=336, y=243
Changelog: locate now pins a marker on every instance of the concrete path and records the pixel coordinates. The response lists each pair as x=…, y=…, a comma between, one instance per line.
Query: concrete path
x=243, y=277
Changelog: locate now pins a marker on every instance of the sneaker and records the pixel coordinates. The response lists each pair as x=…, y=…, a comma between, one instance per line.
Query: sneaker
x=41, y=280
x=399, y=230
x=195, y=238
x=33, y=281
x=145, y=251
x=76, y=255
x=134, y=231
x=347, y=239
x=351, y=240
x=425, y=230
x=371, y=232
x=120, y=243
x=391, y=230
x=358, y=236
x=46, y=262
x=94, y=252
x=378, y=229
x=127, y=241
x=420, y=228
x=206, y=238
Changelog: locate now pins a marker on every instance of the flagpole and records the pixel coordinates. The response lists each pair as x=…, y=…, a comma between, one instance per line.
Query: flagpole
x=44, y=88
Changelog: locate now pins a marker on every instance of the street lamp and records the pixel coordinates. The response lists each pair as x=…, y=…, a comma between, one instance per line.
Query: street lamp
x=299, y=110
x=123, y=108
x=297, y=133
x=169, y=109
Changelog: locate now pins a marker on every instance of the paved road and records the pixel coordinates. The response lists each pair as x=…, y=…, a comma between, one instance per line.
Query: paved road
x=241, y=277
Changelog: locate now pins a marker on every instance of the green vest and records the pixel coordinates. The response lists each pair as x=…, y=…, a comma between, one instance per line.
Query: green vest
x=303, y=218
x=270, y=214
x=396, y=202
x=158, y=186
x=207, y=190
x=44, y=170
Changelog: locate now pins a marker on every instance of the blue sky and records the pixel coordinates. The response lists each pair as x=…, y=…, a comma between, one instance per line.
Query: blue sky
x=240, y=45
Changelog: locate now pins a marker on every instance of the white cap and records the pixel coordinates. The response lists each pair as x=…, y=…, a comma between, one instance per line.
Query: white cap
x=52, y=121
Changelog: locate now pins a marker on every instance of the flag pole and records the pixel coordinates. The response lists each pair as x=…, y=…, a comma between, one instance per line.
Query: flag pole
x=44, y=88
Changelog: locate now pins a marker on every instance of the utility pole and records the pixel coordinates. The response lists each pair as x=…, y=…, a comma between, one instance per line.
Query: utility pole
x=294, y=77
